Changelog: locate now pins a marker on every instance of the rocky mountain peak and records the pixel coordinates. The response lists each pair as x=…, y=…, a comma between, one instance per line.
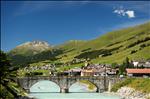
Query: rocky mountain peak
x=39, y=43
x=35, y=44
x=34, y=47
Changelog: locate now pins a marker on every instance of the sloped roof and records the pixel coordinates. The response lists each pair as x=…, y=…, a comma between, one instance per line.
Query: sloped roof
x=141, y=71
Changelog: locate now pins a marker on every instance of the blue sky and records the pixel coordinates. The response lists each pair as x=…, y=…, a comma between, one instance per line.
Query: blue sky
x=59, y=21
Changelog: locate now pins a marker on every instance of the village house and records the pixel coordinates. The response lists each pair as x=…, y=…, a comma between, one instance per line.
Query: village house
x=111, y=71
x=72, y=72
x=147, y=64
x=75, y=72
x=141, y=63
x=98, y=70
x=92, y=70
x=138, y=72
x=87, y=72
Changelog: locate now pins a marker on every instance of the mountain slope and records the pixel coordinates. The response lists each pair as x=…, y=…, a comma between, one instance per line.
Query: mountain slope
x=30, y=48
x=120, y=39
x=115, y=46
x=31, y=52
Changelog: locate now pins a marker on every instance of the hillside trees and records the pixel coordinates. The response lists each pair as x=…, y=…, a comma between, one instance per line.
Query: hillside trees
x=22, y=60
x=126, y=64
x=6, y=73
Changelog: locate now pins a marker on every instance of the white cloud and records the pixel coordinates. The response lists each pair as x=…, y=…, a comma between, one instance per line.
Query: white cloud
x=122, y=12
x=130, y=13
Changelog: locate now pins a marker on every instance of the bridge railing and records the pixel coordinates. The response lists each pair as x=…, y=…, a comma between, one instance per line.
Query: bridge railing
x=61, y=77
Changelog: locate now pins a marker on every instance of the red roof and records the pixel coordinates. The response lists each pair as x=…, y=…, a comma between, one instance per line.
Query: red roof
x=143, y=71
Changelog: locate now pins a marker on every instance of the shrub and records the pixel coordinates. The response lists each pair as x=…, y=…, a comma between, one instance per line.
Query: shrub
x=33, y=73
x=37, y=73
x=114, y=65
x=143, y=45
x=133, y=51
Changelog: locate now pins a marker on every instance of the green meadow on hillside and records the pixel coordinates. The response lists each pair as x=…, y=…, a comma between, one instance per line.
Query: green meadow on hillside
x=120, y=43
x=115, y=46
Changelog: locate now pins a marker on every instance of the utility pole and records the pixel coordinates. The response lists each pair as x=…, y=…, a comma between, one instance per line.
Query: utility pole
x=28, y=90
x=105, y=78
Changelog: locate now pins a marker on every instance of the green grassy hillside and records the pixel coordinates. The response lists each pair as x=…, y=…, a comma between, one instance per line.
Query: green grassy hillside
x=140, y=84
x=115, y=46
x=120, y=44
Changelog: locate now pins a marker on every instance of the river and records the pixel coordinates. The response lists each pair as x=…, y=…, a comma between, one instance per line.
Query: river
x=49, y=90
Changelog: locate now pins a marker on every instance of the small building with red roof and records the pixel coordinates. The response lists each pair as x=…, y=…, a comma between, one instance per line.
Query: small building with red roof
x=138, y=72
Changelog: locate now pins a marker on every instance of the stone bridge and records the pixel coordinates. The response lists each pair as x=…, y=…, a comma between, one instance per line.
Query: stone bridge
x=102, y=83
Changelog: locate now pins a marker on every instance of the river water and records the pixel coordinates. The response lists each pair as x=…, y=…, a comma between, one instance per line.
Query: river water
x=50, y=90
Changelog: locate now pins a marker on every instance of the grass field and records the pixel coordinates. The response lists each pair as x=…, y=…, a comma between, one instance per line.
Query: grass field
x=140, y=84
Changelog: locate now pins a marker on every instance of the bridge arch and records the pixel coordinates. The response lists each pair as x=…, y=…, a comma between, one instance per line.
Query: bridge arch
x=27, y=82
x=83, y=86
x=44, y=86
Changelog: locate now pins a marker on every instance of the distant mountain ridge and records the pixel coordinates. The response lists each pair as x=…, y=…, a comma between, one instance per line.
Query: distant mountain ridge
x=31, y=48
x=36, y=43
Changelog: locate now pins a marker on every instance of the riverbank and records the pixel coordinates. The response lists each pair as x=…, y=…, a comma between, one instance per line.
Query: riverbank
x=133, y=88
x=131, y=93
x=88, y=85
x=25, y=97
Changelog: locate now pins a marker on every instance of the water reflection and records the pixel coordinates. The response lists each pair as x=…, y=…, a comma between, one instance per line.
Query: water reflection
x=48, y=86
x=45, y=86
x=80, y=87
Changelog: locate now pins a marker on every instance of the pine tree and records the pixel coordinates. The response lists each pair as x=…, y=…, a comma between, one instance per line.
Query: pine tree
x=6, y=71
